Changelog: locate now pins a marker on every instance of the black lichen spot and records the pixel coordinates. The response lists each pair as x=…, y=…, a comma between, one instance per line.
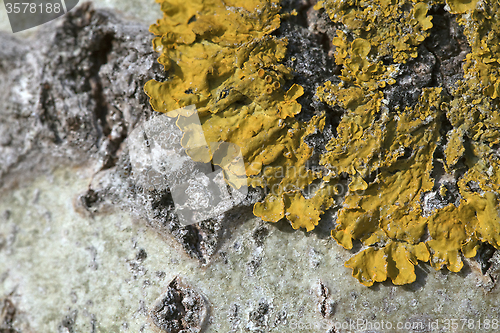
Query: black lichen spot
x=89, y=199
x=68, y=322
x=259, y=234
x=224, y=93
x=260, y=314
x=141, y=255
x=7, y=317
x=253, y=265
x=179, y=309
x=483, y=256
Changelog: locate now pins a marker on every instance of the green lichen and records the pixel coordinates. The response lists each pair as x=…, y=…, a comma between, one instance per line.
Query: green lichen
x=222, y=57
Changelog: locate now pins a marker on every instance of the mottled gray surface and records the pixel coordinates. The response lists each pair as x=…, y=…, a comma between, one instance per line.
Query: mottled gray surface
x=199, y=186
x=104, y=272
x=142, y=11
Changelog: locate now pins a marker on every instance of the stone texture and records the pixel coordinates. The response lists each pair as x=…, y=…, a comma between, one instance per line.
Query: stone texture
x=87, y=247
x=180, y=309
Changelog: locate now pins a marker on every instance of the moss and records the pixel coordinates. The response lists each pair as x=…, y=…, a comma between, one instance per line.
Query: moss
x=223, y=58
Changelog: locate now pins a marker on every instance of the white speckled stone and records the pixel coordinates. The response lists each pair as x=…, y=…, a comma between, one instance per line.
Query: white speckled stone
x=58, y=263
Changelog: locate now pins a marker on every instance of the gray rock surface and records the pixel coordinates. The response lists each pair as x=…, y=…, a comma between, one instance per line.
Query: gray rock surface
x=77, y=100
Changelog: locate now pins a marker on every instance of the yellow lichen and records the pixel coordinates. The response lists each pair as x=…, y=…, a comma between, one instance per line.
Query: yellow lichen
x=388, y=26
x=461, y=6
x=357, y=68
x=388, y=211
x=226, y=63
x=387, y=215
x=221, y=57
x=395, y=261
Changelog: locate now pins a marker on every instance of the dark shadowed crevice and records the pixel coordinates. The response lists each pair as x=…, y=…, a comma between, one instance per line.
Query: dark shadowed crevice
x=483, y=256
x=100, y=57
x=47, y=117
x=199, y=240
x=449, y=45
x=308, y=52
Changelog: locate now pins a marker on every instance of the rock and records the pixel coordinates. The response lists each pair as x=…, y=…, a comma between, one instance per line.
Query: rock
x=180, y=309
x=88, y=241
x=73, y=95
